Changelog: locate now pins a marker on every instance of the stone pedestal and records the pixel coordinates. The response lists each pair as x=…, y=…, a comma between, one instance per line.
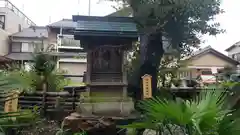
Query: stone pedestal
x=101, y=107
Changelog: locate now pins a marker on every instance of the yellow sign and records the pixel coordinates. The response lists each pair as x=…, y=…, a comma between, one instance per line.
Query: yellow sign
x=11, y=103
x=147, y=86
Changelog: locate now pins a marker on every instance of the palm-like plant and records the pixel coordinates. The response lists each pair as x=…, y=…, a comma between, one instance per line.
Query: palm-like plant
x=44, y=66
x=207, y=114
x=8, y=83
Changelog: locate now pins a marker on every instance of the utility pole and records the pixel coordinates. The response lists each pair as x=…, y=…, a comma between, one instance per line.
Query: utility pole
x=79, y=6
x=89, y=7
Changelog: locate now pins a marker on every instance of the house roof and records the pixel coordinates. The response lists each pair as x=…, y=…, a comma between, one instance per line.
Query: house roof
x=20, y=56
x=105, y=25
x=233, y=46
x=32, y=32
x=64, y=23
x=29, y=56
x=209, y=49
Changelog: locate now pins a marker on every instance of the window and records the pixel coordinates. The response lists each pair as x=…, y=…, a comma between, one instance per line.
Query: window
x=2, y=21
x=16, y=47
x=27, y=47
x=234, y=56
x=22, y=47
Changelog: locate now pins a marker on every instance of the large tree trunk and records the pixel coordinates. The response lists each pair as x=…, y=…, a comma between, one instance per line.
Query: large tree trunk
x=151, y=54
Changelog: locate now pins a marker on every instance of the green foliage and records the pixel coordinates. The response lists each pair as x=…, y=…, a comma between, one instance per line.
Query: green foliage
x=43, y=64
x=179, y=20
x=23, y=77
x=173, y=26
x=168, y=68
x=205, y=115
x=18, y=119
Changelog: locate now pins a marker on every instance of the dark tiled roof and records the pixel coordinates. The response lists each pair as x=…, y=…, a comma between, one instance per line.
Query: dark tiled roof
x=32, y=32
x=106, y=26
x=93, y=23
x=64, y=23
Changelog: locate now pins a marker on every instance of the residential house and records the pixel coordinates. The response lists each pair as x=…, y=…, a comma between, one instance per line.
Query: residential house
x=72, y=57
x=12, y=20
x=234, y=51
x=205, y=61
x=24, y=43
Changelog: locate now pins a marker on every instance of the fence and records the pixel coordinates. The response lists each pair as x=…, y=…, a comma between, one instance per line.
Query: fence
x=49, y=102
x=53, y=99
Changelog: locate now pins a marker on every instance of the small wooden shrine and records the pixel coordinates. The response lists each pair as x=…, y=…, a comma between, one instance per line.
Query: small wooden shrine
x=106, y=40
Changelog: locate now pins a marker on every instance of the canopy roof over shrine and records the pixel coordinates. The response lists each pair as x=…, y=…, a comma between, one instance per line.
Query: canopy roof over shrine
x=105, y=26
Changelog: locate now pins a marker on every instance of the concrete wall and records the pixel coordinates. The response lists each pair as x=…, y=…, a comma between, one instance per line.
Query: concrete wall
x=73, y=68
x=52, y=36
x=12, y=23
x=4, y=42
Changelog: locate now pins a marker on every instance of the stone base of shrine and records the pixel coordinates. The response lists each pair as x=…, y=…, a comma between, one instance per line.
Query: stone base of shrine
x=108, y=108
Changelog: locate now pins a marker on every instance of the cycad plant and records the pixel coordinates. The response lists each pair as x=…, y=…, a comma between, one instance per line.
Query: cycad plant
x=13, y=120
x=207, y=114
x=45, y=67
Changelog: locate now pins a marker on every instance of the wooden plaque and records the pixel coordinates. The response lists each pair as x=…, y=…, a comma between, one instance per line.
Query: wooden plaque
x=147, y=86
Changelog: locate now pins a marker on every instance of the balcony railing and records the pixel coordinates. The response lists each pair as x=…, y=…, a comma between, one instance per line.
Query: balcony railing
x=67, y=41
x=70, y=42
x=9, y=5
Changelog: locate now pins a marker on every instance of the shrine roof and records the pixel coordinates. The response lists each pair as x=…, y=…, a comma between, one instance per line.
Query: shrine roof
x=101, y=25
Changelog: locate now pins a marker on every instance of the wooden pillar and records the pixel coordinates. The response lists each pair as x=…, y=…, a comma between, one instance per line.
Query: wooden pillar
x=89, y=68
x=124, y=73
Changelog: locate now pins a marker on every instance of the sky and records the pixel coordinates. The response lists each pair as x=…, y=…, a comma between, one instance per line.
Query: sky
x=43, y=12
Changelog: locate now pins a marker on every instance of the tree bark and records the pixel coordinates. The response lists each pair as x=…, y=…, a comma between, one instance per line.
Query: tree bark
x=151, y=57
